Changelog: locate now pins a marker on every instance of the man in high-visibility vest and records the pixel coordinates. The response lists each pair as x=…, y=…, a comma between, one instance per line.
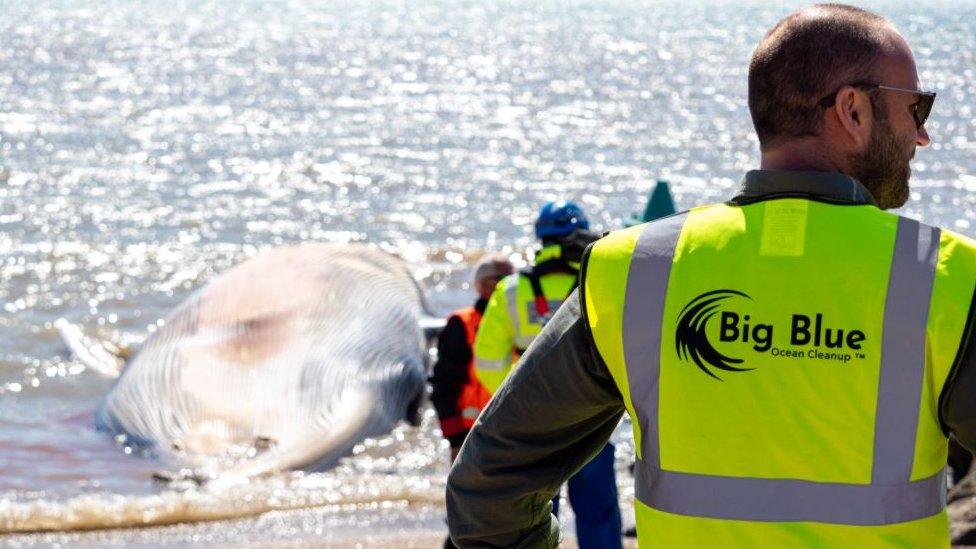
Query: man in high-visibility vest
x=516, y=313
x=793, y=360
x=522, y=303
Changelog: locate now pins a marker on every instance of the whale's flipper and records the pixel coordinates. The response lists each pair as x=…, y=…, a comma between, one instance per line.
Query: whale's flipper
x=91, y=353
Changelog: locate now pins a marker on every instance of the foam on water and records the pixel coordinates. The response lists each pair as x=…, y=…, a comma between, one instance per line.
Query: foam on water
x=233, y=496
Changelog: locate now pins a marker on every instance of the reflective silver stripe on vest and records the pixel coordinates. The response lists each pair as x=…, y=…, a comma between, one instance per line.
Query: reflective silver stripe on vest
x=784, y=500
x=491, y=365
x=522, y=342
x=903, y=350
x=890, y=498
x=511, y=299
x=647, y=286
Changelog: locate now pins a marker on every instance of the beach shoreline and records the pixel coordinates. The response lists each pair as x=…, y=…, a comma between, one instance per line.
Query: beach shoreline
x=390, y=524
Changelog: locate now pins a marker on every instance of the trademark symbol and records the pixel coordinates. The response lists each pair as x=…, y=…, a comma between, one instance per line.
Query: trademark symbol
x=859, y=355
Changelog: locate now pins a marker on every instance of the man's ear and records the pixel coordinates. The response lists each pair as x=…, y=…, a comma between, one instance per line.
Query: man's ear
x=853, y=110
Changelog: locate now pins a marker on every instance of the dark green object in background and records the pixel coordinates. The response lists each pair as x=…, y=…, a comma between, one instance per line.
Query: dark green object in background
x=659, y=204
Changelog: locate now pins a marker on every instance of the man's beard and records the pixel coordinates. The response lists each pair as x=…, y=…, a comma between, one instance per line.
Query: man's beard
x=883, y=166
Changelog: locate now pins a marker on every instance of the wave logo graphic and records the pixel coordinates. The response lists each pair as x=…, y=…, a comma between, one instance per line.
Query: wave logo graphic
x=691, y=339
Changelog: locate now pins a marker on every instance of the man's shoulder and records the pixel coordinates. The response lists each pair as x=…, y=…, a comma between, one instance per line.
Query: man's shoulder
x=957, y=254
x=617, y=243
x=620, y=244
x=950, y=242
x=964, y=242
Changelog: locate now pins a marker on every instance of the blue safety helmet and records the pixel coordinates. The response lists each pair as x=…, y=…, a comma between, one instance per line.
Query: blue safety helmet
x=560, y=218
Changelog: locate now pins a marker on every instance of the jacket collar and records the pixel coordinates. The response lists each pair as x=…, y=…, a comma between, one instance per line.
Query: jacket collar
x=552, y=251
x=833, y=187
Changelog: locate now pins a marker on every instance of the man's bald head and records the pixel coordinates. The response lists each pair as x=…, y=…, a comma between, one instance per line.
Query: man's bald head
x=806, y=56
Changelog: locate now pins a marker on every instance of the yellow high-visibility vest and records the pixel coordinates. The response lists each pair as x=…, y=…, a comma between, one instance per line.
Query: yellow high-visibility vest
x=782, y=363
x=511, y=320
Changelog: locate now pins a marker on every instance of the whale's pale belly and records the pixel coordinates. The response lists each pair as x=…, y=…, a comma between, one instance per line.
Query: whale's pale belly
x=285, y=361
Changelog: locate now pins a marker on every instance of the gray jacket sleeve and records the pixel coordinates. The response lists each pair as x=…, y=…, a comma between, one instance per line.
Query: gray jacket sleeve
x=554, y=412
x=957, y=405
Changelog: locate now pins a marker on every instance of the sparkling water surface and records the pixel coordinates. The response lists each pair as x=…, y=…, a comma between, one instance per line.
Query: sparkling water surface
x=147, y=146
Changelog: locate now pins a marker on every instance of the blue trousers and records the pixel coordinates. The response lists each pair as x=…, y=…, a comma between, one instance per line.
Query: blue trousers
x=593, y=495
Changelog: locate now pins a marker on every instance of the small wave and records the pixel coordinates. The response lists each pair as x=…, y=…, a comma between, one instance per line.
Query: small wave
x=223, y=498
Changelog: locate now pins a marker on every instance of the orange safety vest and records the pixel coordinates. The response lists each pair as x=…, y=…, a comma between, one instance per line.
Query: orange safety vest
x=474, y=397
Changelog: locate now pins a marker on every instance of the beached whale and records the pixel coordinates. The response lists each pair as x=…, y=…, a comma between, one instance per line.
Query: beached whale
x=285, y=361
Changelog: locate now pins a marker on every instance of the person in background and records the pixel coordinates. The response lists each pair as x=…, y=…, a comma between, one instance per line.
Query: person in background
x=516, y=313
x=457, y=395
x=522, y=303
x=793, y=359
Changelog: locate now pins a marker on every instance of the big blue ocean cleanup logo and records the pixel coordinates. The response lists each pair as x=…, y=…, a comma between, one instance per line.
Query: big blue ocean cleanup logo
x=809, y=336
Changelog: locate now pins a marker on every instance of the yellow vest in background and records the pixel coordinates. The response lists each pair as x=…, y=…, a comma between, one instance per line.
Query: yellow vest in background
x=511, y=320
x=782, y=363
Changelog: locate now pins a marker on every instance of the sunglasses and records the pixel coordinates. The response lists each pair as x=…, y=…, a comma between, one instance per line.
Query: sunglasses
x=920, y=109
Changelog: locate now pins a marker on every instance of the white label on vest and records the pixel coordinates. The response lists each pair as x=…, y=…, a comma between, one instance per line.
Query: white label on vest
x=784, y=228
